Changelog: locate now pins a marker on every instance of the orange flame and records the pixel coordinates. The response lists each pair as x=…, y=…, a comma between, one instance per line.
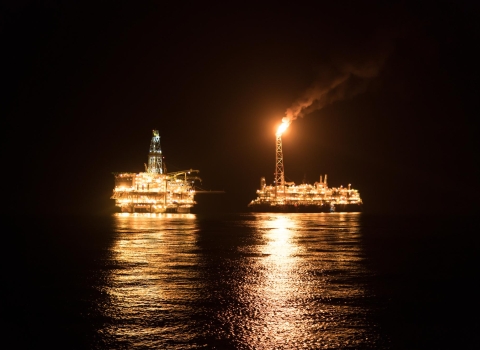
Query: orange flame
x=281, y=129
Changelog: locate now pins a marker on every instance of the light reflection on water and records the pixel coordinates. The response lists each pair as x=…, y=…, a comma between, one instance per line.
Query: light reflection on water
x=254, y=281
x=155, y=279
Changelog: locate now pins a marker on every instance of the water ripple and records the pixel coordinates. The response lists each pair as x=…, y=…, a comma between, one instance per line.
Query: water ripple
x=258, y=281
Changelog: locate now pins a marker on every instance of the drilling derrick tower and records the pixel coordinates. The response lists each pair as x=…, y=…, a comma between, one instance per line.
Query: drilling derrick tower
x=155, y=157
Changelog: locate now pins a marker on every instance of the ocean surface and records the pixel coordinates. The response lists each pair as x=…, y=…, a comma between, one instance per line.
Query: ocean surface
x=241, y=281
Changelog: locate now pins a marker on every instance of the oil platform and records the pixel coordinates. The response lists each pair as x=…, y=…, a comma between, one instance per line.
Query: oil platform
x=289, y=198
x=155, y=190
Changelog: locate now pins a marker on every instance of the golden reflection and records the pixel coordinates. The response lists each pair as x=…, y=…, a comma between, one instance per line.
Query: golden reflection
x=290, y=299
x=155, y=265
x=261, y=281
x=279, y=231
x=270, y=318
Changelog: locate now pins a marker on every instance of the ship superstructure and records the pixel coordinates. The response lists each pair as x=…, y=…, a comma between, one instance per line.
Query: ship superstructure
x=287, y=197
x=155, y=190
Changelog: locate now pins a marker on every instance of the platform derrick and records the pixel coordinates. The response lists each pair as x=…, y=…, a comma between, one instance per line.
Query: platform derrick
x=155, y=190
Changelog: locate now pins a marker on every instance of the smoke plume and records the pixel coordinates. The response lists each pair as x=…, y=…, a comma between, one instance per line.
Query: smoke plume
x=349, y=74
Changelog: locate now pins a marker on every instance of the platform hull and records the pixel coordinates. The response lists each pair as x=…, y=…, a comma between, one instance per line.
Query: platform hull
x=131, y=209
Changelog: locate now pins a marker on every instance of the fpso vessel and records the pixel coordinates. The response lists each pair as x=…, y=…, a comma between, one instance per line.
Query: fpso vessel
x=305, y=198
x=155, y=190
x=289, y=198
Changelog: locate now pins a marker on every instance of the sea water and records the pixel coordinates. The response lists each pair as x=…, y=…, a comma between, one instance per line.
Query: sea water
x=241, y=281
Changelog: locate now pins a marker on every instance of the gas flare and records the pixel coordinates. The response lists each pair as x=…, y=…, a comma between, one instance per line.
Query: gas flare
x=285, y=124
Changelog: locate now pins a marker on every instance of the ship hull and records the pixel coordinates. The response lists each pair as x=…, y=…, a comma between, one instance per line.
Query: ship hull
x=289, y=208
x=305, y=208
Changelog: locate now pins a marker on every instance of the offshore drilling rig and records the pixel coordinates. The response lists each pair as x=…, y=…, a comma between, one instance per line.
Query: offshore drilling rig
x=287, y=197
x=155, y=190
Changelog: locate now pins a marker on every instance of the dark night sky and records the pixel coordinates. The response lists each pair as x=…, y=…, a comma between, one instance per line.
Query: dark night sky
x=84, y=85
